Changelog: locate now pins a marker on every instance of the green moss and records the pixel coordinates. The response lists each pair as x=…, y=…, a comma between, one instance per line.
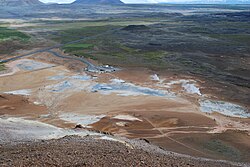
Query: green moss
x=76, y=47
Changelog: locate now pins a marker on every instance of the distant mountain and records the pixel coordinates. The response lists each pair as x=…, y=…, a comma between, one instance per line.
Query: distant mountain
x=112, y=2
x=211, y=2
x=19, y=2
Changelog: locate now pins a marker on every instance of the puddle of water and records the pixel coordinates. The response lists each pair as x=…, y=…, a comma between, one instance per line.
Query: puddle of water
x=225, y=108
x=25, y=92
x=84, y=120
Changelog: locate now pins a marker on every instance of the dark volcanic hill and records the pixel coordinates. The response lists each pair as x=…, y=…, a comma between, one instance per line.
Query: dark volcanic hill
x=19, y=2
x=112, y=2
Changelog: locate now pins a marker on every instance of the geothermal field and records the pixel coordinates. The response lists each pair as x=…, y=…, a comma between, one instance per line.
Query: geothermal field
x=124, y=85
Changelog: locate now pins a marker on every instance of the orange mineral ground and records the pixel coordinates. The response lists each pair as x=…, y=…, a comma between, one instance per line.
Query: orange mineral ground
x=167, y=110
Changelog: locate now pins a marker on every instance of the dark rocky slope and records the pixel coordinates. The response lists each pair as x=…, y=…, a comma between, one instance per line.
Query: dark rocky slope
x=89, y=151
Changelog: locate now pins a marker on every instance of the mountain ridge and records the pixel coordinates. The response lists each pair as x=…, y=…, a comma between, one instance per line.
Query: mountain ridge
x=112, y=2
x=207, y=2
x=19, y=2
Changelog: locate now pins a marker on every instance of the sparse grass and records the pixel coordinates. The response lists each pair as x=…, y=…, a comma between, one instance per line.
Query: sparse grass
x=12, y=40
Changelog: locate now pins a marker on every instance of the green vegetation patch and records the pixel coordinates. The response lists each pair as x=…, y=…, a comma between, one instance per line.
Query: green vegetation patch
x=11, y=34
x=77, y=47
x=72, y=34
x=108, y=49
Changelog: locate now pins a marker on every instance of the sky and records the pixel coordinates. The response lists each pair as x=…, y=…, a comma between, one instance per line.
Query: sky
x=125, y=1
x=141, y=1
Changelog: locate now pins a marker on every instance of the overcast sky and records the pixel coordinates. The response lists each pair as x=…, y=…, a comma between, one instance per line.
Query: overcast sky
x=126, y=1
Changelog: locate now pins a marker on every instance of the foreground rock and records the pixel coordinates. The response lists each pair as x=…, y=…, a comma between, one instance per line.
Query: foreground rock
x=94, y=151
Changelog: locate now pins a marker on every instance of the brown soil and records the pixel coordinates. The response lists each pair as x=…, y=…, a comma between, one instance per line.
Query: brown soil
x=180, y=132
x=73, y=65
x=13, y=105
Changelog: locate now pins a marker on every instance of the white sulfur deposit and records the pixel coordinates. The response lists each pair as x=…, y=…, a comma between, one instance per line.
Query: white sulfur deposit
x=225, y=108
x=191, y=88
x=127, y=117
x=155, y=77
x=24, y=92
x=84, y=120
